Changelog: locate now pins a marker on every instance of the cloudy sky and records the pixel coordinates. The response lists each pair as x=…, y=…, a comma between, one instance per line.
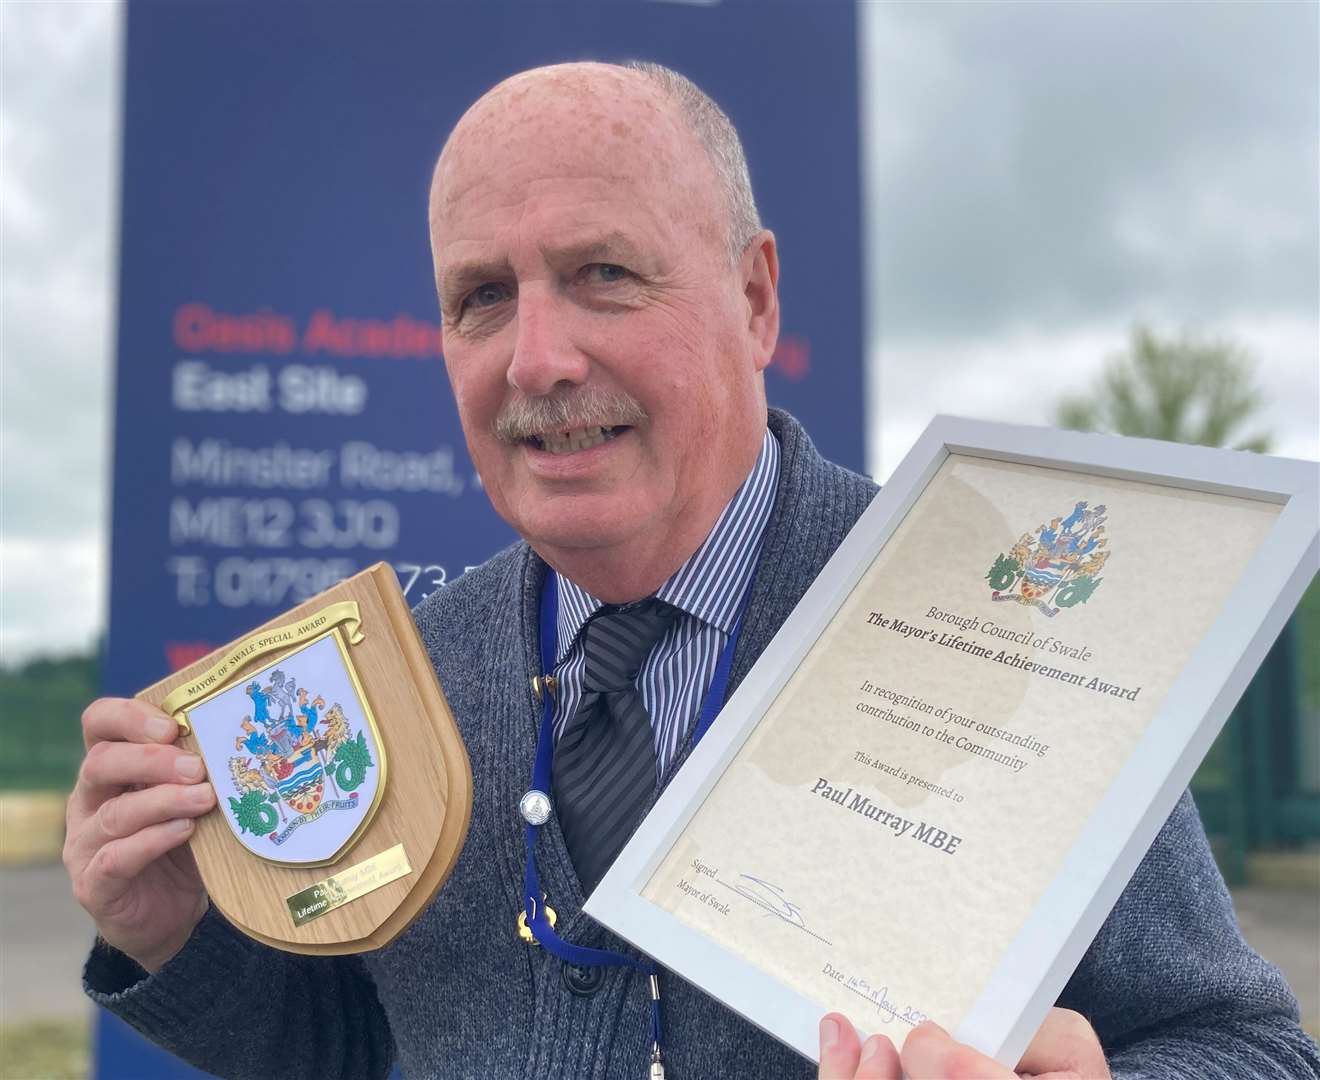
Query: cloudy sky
x=1040, y=176
x=58, y=141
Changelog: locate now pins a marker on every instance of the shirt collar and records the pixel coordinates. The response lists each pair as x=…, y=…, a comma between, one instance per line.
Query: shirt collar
x=711, y=584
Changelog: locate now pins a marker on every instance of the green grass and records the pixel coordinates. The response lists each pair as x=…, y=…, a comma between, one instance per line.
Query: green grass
x=41, y=706
x=45, y=1050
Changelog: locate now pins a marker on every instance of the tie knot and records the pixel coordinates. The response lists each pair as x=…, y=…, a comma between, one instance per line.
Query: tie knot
x=616, y=640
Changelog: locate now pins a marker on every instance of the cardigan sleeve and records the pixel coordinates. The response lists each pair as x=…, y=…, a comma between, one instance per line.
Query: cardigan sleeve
x=1170, y=985
x=236, y=1008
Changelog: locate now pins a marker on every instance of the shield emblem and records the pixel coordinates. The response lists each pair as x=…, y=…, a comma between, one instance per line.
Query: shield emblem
x=294, y=754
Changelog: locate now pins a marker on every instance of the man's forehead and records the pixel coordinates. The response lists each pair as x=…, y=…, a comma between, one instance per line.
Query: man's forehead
x=533, y=196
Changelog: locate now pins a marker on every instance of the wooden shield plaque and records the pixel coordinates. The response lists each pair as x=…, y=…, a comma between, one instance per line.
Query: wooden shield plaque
x=343, y=788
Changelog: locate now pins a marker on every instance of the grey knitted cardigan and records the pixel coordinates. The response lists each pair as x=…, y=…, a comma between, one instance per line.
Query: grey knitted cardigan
x=1169, y=983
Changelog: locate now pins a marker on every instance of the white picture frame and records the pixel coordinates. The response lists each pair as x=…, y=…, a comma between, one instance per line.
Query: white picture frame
x=1035, y=966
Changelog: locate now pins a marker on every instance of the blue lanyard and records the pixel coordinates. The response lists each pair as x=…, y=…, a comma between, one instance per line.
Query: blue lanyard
x=534, y=908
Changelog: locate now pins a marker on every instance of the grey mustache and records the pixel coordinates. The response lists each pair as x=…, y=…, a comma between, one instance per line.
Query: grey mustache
x=524, y=417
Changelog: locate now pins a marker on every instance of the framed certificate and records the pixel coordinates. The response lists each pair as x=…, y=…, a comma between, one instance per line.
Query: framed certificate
x=930, y=790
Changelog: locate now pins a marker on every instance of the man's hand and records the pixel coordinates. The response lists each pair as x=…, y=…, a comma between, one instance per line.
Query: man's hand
x=1065, y=1048
x=133, y=807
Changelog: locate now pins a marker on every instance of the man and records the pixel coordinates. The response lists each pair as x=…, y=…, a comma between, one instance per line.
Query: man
x=610, y=304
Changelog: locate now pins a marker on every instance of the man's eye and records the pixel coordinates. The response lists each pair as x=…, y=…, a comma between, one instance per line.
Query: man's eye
x=607, y=272
x=487, y=295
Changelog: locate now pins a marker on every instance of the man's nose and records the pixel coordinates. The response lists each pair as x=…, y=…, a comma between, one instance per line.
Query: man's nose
x=544, y=352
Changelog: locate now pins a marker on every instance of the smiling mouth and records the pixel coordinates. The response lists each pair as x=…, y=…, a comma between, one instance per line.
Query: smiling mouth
x=569, y=442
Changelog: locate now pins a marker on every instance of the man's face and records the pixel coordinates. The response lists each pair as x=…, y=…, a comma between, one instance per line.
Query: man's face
x=601, y=348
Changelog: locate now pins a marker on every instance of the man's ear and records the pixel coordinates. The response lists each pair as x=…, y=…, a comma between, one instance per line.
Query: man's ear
x=760, y=275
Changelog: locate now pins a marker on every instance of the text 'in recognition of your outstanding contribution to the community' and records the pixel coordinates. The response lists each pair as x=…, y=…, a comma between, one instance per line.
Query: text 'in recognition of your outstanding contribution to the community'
x=886, y=829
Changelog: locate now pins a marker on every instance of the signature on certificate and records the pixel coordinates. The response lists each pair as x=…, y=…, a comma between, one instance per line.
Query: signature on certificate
x=771, y=899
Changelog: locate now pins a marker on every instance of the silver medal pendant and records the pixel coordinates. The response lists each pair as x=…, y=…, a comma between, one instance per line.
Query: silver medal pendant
x=535, y=807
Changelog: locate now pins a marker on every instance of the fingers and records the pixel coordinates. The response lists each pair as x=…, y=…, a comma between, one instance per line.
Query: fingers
x=121, y=764
x=114, y=866
x=111, y=767
x=128, y=813
x=133, y=811
x=128, y=747
x=1065, y=1045
x=844, y=1057
x=103, y=873
x=929, y=1053
x=840, y=1049
x=126, y=720
x=880, y=1060
x=1065, y=1042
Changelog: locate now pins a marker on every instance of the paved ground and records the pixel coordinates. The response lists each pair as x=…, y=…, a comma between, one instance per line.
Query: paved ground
x=44, y=936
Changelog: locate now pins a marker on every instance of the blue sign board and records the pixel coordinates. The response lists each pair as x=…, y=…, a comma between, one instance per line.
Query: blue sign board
x=282, y=416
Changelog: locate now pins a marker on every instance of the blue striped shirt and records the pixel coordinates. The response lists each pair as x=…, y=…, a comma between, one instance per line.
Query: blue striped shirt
x=708, y=590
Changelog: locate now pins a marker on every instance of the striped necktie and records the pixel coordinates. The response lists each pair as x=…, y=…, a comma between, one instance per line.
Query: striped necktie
x=604, y=763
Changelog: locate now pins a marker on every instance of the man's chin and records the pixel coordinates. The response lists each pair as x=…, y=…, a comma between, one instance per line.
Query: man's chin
x=578, y=538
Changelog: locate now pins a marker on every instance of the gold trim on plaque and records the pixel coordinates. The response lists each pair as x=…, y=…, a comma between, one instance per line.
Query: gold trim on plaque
x=347, y=885
x=217, y=677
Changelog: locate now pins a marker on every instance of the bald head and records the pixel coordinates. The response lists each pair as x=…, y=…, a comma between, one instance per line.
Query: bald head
x=607, y=106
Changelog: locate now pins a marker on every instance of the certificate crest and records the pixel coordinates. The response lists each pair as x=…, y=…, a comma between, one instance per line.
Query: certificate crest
x=1059, y=566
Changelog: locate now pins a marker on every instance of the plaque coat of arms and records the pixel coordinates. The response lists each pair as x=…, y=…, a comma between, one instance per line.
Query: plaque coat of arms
x=294, y=755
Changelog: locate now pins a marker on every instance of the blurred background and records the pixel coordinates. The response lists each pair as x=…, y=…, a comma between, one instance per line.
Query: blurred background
x=1102, y=216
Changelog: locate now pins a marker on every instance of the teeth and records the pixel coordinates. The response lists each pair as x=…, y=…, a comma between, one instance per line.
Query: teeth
x=567, y=442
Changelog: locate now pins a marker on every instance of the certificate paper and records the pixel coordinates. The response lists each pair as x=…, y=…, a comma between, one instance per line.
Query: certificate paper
x=955, y=738
x=914, y=789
